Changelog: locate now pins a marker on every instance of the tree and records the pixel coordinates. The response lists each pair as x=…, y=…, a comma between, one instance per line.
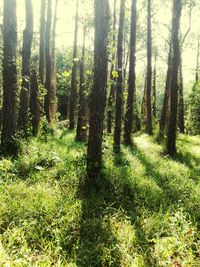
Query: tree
x=112, y=76
x=73, y=92
x=154, y=108
x=35, y=108
x=48, y=60
x=81, y=133
x=165, y=105
x=119, y=88
x=98, y=94
x=26, y=56
x=8, y=142
x=42, y=43
x=171, y=137
x=181, y=120
x=149, y=70
x=197, y=61
x=131, y=80
x=144, y=101
x=52, y=93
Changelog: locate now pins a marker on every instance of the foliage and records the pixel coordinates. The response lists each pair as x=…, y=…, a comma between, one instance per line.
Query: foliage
x=193, y=110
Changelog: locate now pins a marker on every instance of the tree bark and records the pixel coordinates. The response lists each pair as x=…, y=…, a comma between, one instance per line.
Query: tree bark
x=48, y=81
x=119, y=91
x=149, y=71
x=171, y=137
x=8, y=142
x=26, y=56
x=181, y=120
x=143, y=105
x=98, y=94
x=73, y=92
x=35, y=108
x=113, y=79
x=42, y=43
x=166, y=95
x=52, y=93
x=131, y=81
x=197, y=64
x=81, y=133
x=154, y=109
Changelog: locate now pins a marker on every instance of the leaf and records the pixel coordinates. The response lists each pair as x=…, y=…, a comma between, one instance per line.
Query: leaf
x=115, y=74
x=76, y=59
x=39, y=168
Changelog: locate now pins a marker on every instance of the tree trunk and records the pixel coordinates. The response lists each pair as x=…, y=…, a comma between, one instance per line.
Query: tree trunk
x=149, y=71
x=113, y=79
x=143, y=105
x=48, y=61
x=42, y=43
x=166, y=95
x=81, y=133
x=35, y=108
x=197, y=66
x=181, y=120
x=171, y=138
x=119, y=91
x=8, y=143
x=98, y=94
x=52, y=93
x=73, y=92
x=131, y=81
x=154, y=109
x=26, y=56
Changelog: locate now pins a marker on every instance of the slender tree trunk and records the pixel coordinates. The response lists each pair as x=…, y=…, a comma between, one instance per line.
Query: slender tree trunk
x=154, y=109
x=119, y=92
x=8, y=143
x=171, y=138
x=26, y=56
x=126, y=57
x=81, y=133
x=73, y=92
x=144, y=101
x=197, y=64
x=42, y=43
x=131, y=81
x=48, y=61
x=52, y=92
x=163, y=117
x=98, y=94
x=149, y=70
x=112, y=87
x=35, y=108
x=181, y=120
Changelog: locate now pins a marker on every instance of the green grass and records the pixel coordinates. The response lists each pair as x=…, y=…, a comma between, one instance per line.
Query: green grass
x=144, y=210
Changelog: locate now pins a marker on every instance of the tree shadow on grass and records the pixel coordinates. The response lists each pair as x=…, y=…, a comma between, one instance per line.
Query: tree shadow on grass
x=98, y=244
x=172, y=193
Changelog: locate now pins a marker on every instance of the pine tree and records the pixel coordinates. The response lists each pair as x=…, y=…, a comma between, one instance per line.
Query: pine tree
x=98, y=94
x=8, y=142
x=131, y=81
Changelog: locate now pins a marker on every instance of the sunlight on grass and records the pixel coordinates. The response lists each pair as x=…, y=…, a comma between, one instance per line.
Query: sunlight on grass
x=145, y=214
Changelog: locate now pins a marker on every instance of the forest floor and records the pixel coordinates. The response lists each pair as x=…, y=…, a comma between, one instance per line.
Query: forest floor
x=145, y=211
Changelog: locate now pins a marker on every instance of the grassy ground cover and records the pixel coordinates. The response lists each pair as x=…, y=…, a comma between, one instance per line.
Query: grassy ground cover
x=143, y=211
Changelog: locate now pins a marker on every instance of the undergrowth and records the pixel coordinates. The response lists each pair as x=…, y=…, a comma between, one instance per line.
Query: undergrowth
x=145, y=211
